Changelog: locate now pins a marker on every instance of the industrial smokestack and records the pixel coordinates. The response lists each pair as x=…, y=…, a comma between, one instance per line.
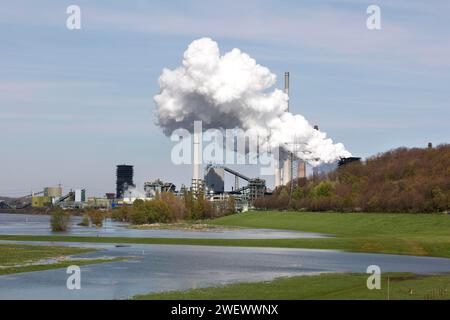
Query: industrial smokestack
x=197, y=154
x=287, y=165
x=316, y=169
x=286, y=87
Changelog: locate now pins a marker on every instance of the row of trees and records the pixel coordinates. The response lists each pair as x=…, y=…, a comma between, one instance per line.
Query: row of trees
x=164, y=209
x=401, y=180
x=167, y=207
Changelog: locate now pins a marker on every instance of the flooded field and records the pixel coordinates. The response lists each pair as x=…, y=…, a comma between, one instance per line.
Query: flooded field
x=26, y=224
x=156, y=268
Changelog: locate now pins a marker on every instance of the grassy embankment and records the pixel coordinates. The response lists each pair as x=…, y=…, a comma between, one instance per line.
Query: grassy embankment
x=17, y=258
x=387, y=233
x=325, y=286
x=411, y=234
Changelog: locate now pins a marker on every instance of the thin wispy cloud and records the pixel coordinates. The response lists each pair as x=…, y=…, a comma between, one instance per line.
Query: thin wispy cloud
x=326, y=31
x=92, y=89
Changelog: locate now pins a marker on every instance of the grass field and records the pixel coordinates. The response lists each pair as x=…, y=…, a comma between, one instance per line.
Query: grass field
x=413, y=234
x=13, y=254
x=16, y=258
x=325, y=286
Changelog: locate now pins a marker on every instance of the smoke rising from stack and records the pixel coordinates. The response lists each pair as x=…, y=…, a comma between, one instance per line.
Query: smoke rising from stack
x=233, y=91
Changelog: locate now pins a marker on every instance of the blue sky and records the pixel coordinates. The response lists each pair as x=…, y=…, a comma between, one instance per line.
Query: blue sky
x=73, y=104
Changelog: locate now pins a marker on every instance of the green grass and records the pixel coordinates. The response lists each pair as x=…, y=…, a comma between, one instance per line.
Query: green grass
x=344, y=224
x=409, y=234
x=13, y=254
x=57, y=265
x=324, y=286
x=412, y=234
x=278, y=243
x=17, y=258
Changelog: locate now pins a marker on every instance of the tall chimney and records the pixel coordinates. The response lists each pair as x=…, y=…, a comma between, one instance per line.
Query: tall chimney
x=315, y=169
x=196, y=165
x=287, y=165
x=286, y=86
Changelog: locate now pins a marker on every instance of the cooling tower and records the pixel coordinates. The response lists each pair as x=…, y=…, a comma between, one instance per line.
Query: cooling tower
x=301, y=169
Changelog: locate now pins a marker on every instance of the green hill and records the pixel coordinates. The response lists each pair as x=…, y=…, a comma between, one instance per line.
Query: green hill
x=400, y=180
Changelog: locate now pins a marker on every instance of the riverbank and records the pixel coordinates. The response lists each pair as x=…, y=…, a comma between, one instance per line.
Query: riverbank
x=334, y=286
x=411, y=234
x=28, y=210
x=41, y=211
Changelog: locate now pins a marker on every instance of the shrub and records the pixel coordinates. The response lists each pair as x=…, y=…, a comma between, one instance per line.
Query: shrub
x=177, y=205
x=138, y=213
x=323, y=189
x=59, y=221
x=231, y=205
x=122, y=214
x=85, y=221
x=161, y=211
x=96, y=217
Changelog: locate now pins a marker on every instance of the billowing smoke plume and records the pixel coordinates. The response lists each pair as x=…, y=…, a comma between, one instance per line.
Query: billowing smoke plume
x=233, y=91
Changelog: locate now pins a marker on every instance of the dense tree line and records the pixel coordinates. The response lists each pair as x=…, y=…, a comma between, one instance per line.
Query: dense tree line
x=400, y=180
x=167, y=207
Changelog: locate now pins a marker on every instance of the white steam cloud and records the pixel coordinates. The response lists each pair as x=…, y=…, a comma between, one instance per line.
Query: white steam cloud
x=233, y=91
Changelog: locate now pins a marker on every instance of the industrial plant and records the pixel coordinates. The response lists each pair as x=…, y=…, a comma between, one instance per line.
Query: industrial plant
x=208, y=183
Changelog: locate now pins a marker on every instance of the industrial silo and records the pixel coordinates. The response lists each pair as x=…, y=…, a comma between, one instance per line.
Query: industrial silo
x=53, y=192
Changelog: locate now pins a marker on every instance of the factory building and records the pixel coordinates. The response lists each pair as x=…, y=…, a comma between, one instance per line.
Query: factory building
x=41, y=201
x=152, y=188
x=244, y=196
x=214, y=179
x=46, y=197
x=124, y=179
x=80, y=195
x=99, y=203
